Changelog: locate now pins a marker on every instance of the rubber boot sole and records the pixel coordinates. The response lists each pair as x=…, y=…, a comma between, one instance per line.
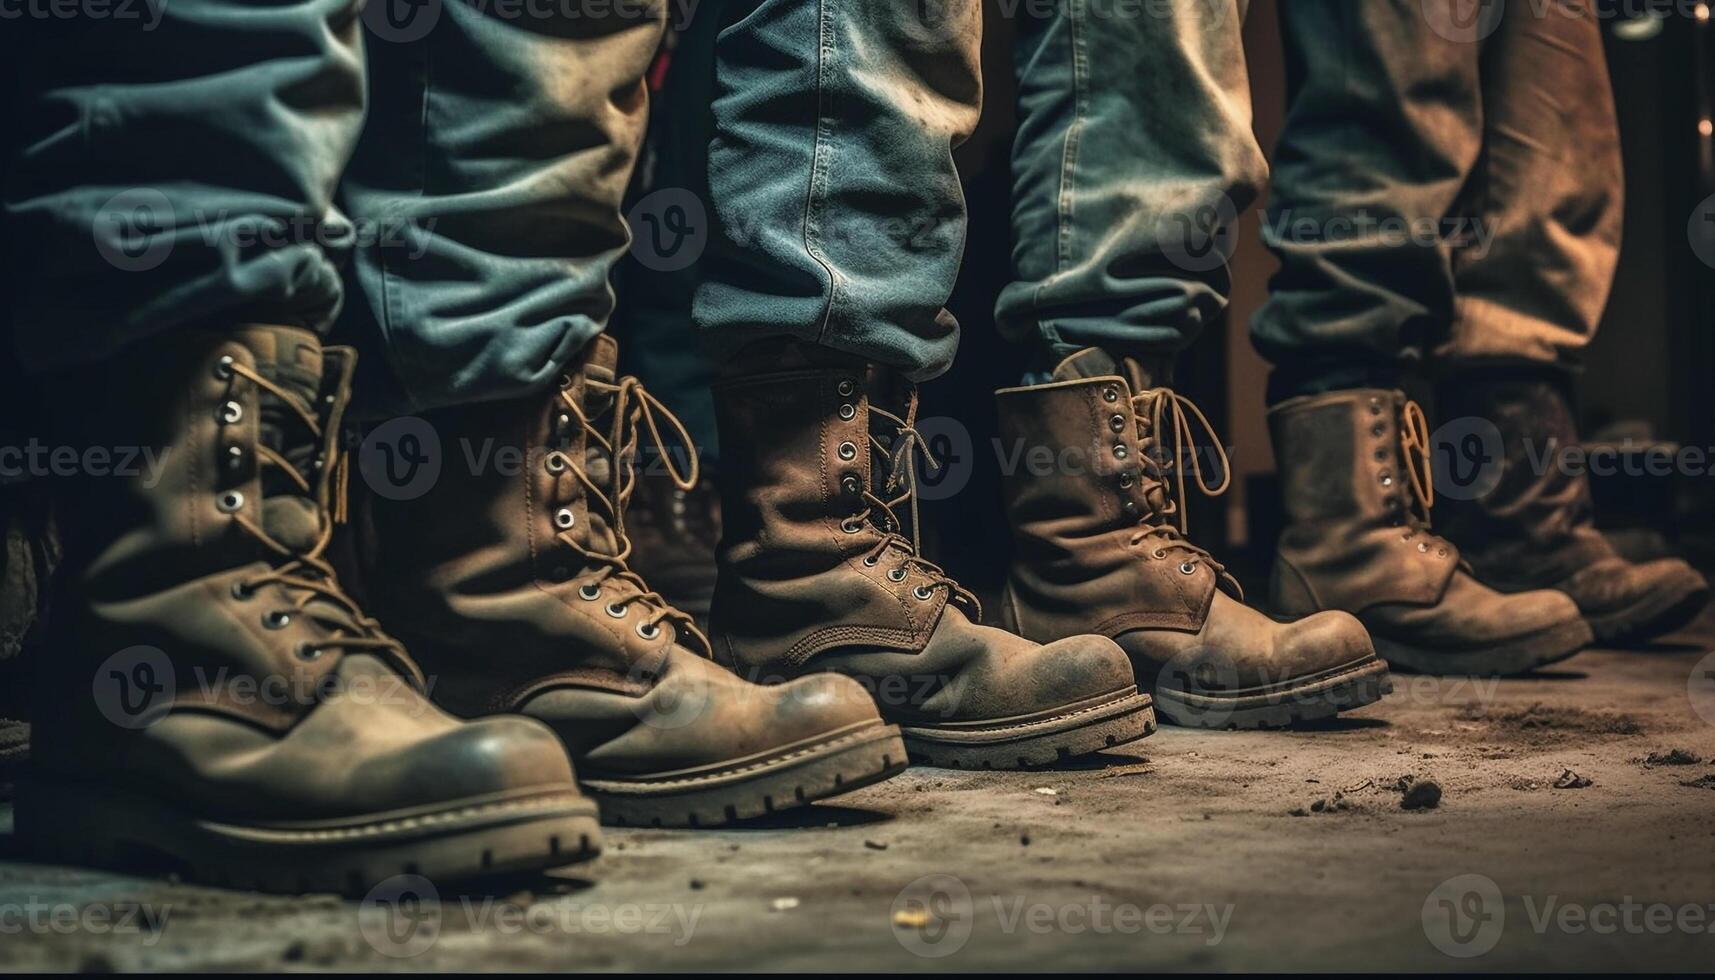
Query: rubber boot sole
x=1038, y=740
x=1516, y=655
x=1293, y=702
x=1655, y=613
x=743, y=789
x=96, y=826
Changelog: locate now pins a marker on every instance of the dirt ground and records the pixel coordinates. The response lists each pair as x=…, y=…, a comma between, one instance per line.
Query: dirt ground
x=1575, y=831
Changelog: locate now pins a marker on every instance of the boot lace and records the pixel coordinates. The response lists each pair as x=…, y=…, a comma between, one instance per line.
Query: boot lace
x=898, y=488
x=635, y=411
x=1165, y=418
x=307, y=576
x=1417, y=462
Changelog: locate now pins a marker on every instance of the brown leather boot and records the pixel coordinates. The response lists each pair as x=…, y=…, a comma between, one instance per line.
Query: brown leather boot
x=1354, y=469
x=1095, y=548
x=816, y=576
x=250, y=725
x=674, y=532
x=511, y=574
x=1531, y=524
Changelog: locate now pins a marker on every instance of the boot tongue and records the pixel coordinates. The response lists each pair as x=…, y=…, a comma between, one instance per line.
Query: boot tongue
x=600, y=372
x=292, y=359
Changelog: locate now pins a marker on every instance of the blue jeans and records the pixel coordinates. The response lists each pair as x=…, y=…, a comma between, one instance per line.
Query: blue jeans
x=837, y=214
x=218, y=167
x=1135, y=155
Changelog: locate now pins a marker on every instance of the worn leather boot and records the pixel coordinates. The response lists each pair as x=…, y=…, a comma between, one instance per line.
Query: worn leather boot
x=1096, y=500
x=1355, y=472
x=1098, y=527
x=1533, y=526
x=674, y=532
x=815, y=575
x=511, y=573
x=250, y=726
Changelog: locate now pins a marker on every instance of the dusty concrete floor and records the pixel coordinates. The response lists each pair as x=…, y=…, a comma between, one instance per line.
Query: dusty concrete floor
x=1186, y=851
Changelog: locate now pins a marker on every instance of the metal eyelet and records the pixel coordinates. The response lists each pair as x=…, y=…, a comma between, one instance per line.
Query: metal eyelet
x=555, y=463
x=897, y=574
x=870, y=561
x=615, y=609
x=223, y=367
x=1378, y=430
x=1120, y=452
x=846, y=388
x=277, y=620
x=308, y=651
x=848, y=412
x=1187, y=568
x=1126, y=480
x=922, y=592
x=1423, y=547
x=589, y=593
x=1158, y=554
x=851, y=525
x=1387, y=480
x=234, y=457
x=847, y=451
x=230, y=413
x=564, y=519
x=1381, y=455
x=648, y=631
x=242, y=592
x=1375, y=406
x=1117, y=423
x=851, y=483
x=231, y=502
x=1130, y=506
x=565, y=381
x=1111, y=394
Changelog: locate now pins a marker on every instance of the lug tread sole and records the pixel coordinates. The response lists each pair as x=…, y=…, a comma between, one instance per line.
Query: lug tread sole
x=1042, y=742
x=1314, y=699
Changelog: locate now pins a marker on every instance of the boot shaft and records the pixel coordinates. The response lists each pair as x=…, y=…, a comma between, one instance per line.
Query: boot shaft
x=811, y=555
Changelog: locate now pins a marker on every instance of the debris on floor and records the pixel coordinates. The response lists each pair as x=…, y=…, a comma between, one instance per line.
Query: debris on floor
x=1418, y=794
x=1571, y=780
x=784, y=904
x=1672, y=757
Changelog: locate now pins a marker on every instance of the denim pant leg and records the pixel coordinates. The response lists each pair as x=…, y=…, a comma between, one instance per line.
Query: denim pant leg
x=176, y=166
x=839, y=217
x=1545, y=203
x=1134, y=157
x=486, y=192
x=1384, y=124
